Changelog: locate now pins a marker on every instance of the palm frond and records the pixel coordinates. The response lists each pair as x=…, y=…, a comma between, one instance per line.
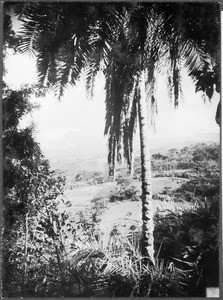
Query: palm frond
x=90, y=75
x=194, y=57
x=129, y=129
x=114, y=108
x=174, y=76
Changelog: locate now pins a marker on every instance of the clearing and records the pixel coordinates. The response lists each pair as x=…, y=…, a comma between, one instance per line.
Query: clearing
x=94, y=202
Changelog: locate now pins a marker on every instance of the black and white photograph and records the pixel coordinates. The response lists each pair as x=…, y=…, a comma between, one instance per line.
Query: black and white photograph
x=111, y=149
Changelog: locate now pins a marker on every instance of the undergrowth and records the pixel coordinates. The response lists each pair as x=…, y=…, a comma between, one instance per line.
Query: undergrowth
x=190, y=238
x=54, y=255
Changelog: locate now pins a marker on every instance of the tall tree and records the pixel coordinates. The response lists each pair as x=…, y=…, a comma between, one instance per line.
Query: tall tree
x=130, y=43
x=28, y=184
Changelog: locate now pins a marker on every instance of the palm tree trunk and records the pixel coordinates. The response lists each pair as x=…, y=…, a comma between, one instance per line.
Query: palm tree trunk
x=131, y=169
x=111, y=171
x=147, y=209
x=131, y=161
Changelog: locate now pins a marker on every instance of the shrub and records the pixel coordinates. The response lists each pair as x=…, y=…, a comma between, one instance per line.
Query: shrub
x=166, y=190
x=191, y=236
x=125, y=274
x=124, y=192
x=89, y=178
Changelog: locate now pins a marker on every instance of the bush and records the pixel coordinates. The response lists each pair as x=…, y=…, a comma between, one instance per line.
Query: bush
x=117, y=269
x=89, y=178
x=33, y=238
x=138, y=280
x=166, y=190
x=124, y=192
x=191, y=236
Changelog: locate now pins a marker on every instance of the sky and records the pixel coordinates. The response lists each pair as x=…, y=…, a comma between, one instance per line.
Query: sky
x=73, y=128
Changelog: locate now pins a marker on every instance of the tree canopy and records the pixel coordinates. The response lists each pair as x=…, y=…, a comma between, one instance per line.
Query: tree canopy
x=120, y=39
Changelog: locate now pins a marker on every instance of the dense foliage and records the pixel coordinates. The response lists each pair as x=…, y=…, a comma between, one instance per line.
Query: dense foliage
x=186, y=158
x=30, y=188
x=192, y=235
x=191, y=240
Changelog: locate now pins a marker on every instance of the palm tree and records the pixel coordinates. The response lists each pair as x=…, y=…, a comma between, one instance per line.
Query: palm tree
x=157, y=49
x=130, y=43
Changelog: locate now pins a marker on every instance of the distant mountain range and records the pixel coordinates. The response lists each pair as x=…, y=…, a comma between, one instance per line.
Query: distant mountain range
x=70, y=145
x=182, y=142
x=96, y=161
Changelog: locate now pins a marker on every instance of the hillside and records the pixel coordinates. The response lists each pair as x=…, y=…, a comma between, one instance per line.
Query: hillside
x=108, y=204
